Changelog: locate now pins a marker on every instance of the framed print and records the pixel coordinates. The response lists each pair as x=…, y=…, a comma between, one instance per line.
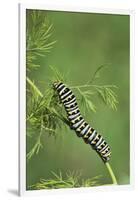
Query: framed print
x=75, y=130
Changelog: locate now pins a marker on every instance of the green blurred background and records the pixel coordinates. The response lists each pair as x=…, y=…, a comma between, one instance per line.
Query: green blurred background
x=84, y=42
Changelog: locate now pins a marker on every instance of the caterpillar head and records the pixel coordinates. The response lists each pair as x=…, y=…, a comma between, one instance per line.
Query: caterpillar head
x=56, y=84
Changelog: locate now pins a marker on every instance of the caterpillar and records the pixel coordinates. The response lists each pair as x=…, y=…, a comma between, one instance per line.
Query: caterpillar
x=78, y=124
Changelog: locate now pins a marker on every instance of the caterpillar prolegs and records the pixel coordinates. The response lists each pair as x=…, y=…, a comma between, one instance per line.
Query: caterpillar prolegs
x=77, y=122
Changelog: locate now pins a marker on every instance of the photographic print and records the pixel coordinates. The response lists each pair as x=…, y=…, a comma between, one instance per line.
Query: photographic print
x=77, y=99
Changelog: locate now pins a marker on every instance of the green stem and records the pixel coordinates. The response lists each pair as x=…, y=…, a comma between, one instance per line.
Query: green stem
x=83, y=86
x=111, y=173
x=34, y=87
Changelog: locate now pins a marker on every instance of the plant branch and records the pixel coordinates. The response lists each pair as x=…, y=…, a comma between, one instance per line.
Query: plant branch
x=34, y=87
x=61, y=117
x=83, y=86
x=112, y=175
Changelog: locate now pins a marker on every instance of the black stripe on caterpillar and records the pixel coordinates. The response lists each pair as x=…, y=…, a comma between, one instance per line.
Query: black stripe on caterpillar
x=77, y=122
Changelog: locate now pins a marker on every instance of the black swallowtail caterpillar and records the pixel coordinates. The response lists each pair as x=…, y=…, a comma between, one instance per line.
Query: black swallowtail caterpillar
x=77, y=122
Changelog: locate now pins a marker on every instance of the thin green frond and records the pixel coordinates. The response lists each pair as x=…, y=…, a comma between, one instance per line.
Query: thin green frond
x=71, y=180
x=85, y=101
x=42, y=115
x=35, y=149
x=57, y=75
x=108, y=96
x=32, y=84
x=39, y=39
x=96, y=74
x=105, y=92
x=90, y=182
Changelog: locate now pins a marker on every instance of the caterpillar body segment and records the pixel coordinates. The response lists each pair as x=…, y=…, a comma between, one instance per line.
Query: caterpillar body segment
x=77, y=122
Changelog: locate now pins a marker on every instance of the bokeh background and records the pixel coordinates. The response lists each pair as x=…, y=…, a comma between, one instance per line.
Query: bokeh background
x=84, y=42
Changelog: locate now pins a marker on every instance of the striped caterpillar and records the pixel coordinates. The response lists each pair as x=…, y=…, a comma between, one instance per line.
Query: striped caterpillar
x=77, y=122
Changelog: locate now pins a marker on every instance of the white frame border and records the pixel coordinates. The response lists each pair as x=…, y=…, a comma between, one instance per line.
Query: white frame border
x=22, y=97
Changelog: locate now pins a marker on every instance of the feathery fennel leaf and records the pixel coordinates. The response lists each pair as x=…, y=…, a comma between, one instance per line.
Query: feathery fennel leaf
x=71, y=180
